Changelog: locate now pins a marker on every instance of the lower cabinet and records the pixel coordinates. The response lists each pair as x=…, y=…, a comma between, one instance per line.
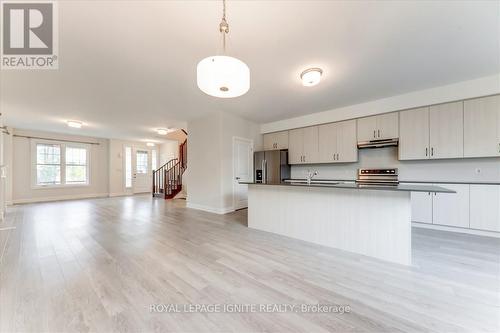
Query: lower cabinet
x=451, y=209
x=485, y=207
x=421, y=207
x=472, y=207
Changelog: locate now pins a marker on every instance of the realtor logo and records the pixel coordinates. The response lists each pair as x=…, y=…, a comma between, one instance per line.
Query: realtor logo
x=29, y=35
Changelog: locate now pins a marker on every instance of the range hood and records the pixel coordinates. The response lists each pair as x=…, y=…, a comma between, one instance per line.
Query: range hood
x=378, y=143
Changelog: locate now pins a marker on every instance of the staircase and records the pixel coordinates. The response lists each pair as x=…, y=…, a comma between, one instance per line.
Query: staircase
x=167, y=180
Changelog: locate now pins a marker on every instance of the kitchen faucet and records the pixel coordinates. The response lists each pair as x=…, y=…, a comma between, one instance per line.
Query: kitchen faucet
x=310, y=175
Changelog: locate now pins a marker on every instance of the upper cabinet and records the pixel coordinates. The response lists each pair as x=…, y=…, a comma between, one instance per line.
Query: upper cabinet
x=384, y=126
x=414, y=134
x=337, y=142
x=432, y=132
x=303, y=145
x=482, y=127
x=277, y=140
x=446, y=130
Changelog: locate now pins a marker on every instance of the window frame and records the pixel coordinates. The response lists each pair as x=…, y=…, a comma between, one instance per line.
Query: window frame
x=62, y=165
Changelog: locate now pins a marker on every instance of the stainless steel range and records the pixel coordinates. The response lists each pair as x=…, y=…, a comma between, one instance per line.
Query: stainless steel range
x=380, y=177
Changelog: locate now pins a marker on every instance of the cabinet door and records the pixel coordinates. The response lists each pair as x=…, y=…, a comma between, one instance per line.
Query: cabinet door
x=414, y=134
x=481, y=127
x=451, y=209
x=295, y=146
x=347, y=148
x=327, y=142
x=281, y=139
x=310, y=150
x=421, y=207
x=269, y=141
x=447, y=130
x=388, y=126
x=485, y=207
x=367, y=129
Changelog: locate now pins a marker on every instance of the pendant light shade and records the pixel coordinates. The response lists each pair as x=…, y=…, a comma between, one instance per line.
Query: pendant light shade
x=223, y=76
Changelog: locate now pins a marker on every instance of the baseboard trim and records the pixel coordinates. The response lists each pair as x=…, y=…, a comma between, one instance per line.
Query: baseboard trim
x=209, y=209
x=60, y=198
x=112, y=195
x=456, y=229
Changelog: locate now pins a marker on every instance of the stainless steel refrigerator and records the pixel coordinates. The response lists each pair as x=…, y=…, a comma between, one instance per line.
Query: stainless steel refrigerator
x=271, y=166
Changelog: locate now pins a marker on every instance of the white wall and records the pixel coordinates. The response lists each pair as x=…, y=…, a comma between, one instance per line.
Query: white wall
x=168, y=150
x=468, y=89
x=204, y=155
x=7, y=160
x=210, y=160
x=22, y=189
x=436, y=170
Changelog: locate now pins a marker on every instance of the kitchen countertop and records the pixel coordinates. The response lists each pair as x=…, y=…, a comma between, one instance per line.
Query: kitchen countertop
x=341, y=185
x=316, y=180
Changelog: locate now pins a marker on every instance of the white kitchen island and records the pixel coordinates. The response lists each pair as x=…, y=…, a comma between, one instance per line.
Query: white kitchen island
x=373, y=221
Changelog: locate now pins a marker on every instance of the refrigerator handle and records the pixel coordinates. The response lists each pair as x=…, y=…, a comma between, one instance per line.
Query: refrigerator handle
x=264, y=171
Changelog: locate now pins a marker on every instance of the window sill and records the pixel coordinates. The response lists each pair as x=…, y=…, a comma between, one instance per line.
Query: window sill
x=61, y=186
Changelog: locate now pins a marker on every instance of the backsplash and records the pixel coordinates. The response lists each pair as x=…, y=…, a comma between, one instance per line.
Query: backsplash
x=469, y=169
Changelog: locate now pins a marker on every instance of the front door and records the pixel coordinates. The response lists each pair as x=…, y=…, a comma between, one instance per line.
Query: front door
x=142, y=177
x=242, y=170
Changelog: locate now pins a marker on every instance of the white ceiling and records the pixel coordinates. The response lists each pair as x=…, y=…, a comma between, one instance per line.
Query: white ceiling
x=128, y=67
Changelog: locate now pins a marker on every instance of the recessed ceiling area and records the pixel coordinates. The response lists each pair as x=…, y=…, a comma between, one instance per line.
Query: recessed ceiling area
x=127, y=68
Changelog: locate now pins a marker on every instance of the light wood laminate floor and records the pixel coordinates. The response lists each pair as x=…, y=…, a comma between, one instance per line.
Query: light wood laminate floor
x=98, y=265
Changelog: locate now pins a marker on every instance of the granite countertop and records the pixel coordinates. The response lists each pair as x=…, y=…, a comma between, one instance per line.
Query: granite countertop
x=320, y=180
x=351, y=185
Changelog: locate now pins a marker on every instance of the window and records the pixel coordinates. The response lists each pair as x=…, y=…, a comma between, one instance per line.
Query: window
x=153, y=160
x=76, y=165
x=48, y=164
x=141, y=161
x=60, y=164
x=128, y=167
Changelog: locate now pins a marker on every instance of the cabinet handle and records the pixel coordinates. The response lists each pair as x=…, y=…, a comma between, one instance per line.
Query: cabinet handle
x=426, y=153
x=432, y=151
x=374, y=135
x=304, y=158
x=337, y=156
x=499, y=147
x=429, y=193
x=378, y=133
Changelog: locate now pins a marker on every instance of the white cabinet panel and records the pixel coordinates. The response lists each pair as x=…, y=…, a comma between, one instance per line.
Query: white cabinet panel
x=295, y=146
x=347, y=147
x=414, y=134
x=446, y=130
x=277, y=140
x=421, y=207
x=485, y=207
x=367, y=129
x=451, y=209
x=327, y=142
x=303, y=145
x=387, y=126
x=310, y=136
x=482, y=127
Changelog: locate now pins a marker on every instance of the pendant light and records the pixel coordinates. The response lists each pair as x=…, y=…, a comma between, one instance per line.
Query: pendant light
x=221, y=75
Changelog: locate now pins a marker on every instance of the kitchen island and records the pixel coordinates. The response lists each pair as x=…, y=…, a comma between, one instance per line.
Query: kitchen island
x=371, y=220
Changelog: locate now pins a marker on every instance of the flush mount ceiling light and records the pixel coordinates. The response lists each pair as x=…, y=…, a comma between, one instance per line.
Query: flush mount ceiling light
x=221, y=75
x=150, y=144
x=162, y=131
x=311, y=77
x=74, y=123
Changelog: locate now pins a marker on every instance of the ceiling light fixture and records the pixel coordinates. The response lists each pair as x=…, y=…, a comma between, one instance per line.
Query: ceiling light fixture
x=311, y=77
x=150, y=144
x=74, y=123
x=162, y=131
x=221, y=75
